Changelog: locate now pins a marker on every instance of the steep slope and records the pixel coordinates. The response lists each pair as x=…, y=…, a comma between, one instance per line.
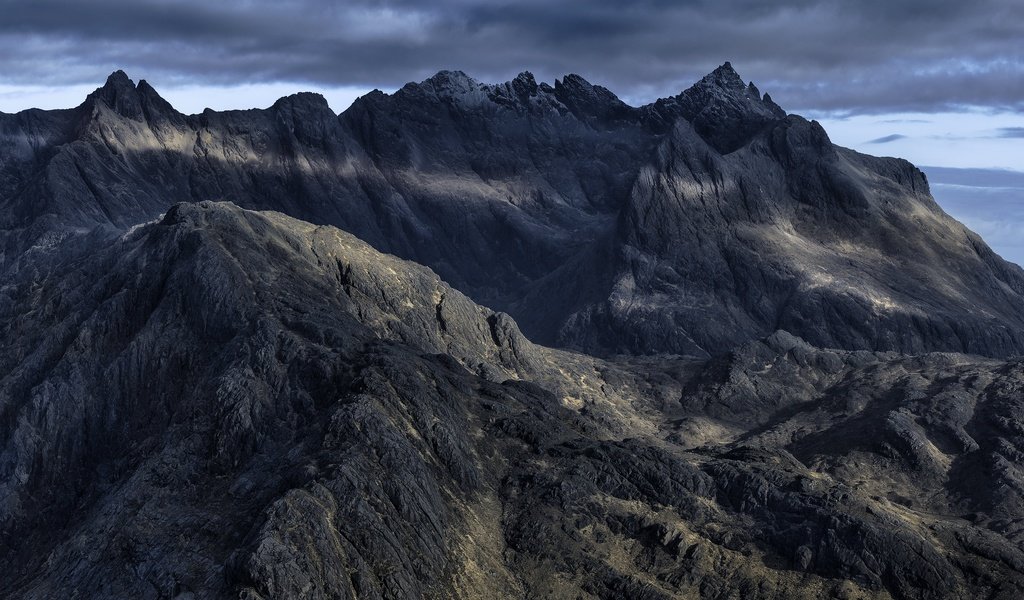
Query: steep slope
x=689, y=225
x=237, y=404
x=170, y=392
x=790, y=232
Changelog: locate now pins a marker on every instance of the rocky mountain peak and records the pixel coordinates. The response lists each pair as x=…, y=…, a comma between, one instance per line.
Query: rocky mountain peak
x=724, y=77
x=153, y=104
x=589, y=102
x=752, y=91
x=118, y=81
x=448, y=87
x=119, y=94
x=304, y=102
x=138, y=102
x=724, y=109
x=524, y=83
x=146, y=90
x=725, y=86
x=450, y=83
x=767, y=100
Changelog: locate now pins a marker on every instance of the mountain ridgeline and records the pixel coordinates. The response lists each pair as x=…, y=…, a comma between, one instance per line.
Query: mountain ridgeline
x=496, y=341
x=686, y=226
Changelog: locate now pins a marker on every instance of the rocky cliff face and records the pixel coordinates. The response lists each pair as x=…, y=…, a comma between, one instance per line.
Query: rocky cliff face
x=203, y=400
x=230, y=403
x=686, y=226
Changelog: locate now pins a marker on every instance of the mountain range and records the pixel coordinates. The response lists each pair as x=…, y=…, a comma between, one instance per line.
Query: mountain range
x=496, y=340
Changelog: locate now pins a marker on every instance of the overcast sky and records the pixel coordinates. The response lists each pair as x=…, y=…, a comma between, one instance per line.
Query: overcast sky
x=936, y=81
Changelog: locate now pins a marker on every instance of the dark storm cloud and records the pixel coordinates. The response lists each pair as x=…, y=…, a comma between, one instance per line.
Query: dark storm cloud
x=829, y=55
x=886, y=139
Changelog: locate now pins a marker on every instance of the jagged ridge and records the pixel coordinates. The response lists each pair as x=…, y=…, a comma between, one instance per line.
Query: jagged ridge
x=686, y=226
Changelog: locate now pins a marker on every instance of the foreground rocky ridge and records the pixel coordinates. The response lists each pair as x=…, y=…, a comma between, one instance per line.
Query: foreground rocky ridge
x=236, y=404
x=689, y=225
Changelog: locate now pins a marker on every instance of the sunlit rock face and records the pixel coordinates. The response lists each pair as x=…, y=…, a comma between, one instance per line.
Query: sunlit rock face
x=490, y=341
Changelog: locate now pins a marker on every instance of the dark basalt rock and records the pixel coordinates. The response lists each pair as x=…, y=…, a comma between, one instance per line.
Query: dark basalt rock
x=592, y=103
x=235, y=404
x=202, y=400
x=120, y=95
x=689, y=225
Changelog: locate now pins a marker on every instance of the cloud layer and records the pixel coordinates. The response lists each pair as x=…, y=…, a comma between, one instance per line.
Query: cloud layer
x=870, y=56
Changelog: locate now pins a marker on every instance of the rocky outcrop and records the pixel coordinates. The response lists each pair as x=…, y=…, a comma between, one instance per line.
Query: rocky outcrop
x=225, y=403
x=790, y=233
x=690, y=225
x=724, y=110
